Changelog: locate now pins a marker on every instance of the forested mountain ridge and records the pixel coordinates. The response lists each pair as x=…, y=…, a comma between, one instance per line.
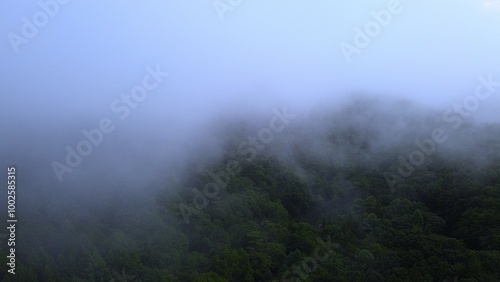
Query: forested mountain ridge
x=312, y=205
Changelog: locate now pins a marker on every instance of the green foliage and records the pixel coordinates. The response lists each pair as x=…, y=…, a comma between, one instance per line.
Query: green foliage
x=318, y=220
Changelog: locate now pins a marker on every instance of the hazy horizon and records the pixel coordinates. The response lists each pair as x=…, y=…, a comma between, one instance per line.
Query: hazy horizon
x=255, y=56
x=115, y=113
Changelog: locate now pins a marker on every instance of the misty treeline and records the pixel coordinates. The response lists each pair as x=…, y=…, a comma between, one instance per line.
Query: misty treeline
x=312, y=205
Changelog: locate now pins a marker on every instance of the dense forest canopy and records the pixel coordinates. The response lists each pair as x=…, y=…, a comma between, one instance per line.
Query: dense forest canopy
x=238, y=140
x=324, y=199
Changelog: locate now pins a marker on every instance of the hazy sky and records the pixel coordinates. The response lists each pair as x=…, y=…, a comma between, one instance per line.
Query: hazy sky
x=87, y=53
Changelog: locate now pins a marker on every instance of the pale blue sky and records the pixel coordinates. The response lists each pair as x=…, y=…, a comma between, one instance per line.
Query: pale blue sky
x=90, y=52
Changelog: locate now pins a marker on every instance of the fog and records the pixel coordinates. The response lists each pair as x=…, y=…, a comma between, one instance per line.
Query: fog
x=207, y=69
